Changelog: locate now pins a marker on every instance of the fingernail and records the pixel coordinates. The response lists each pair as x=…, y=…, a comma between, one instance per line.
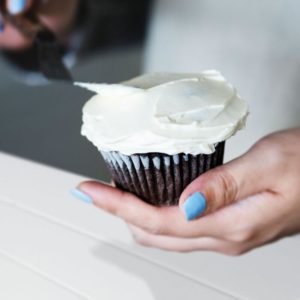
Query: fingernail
x=16, y=6
x=81, y=196
x=194, y=206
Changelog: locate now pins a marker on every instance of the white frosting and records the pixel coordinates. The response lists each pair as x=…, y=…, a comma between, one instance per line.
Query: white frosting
x=167, y=113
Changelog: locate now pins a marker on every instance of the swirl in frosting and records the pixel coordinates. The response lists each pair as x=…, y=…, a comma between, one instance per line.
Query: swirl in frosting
x=163, y=112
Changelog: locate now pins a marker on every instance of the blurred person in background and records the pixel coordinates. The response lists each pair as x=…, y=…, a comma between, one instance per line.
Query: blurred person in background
x=82, y=27
x=253, y=199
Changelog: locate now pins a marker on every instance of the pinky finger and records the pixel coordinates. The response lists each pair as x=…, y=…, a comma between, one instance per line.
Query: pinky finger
x=179, y=244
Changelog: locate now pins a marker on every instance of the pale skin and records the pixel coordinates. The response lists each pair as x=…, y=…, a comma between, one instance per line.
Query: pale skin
x=251, y=201
x=57, y=15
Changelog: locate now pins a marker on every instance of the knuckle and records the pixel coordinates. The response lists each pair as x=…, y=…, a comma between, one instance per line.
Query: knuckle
x=226, y=191
x=241, y=236
x=154, y=228
x=154, y=224
x=233, y=251
x=139, y=239
x=276, y=155
x=229, y=186
x=113, y=210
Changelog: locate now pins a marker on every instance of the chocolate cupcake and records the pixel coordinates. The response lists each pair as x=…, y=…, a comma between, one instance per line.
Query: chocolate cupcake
x=158, y=132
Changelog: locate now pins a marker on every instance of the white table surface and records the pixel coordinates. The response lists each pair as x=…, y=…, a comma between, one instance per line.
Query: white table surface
x=55, y=247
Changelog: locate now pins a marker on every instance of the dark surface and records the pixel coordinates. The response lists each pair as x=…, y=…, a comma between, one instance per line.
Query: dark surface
x=43, y=123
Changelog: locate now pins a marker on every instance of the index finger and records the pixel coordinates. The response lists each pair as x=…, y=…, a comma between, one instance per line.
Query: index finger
x=168, y=221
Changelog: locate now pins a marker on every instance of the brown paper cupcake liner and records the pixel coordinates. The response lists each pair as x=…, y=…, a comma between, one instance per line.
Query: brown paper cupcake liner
x=158, y=178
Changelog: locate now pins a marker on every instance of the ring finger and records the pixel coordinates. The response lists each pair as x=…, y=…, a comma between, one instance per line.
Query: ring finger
x=179, y=244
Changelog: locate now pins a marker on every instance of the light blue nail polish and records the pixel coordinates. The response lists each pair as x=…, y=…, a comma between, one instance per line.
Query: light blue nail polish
x=81, y=196
x=194, y=206
x=16, y=6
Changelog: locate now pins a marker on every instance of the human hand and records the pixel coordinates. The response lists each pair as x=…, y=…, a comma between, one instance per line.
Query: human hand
x=250, y=201
x=57, y=15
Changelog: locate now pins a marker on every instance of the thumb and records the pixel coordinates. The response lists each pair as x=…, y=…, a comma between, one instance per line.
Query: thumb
x=219, y=187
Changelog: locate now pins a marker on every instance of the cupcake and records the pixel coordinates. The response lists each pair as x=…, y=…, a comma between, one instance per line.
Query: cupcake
x=158, y=132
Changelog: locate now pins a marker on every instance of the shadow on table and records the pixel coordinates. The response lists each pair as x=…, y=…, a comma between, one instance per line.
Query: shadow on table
x=163, y=283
